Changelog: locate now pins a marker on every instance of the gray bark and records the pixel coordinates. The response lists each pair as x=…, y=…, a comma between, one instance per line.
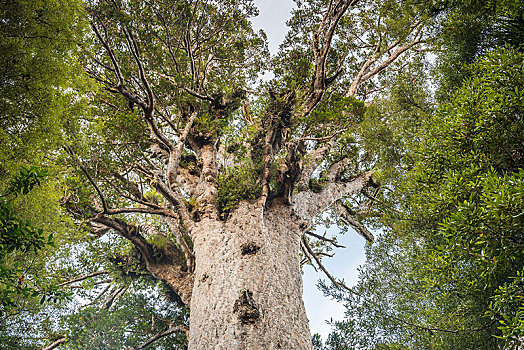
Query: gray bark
x=247, y=292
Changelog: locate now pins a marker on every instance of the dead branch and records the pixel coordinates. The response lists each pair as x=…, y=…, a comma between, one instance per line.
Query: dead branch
x=319, y=263
x=170, y=330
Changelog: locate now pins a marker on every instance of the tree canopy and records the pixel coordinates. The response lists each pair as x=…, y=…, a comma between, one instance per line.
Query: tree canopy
x=446, y=271
x=151, y=178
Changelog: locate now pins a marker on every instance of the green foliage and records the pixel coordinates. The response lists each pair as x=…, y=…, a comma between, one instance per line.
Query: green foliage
x=132, y=320
x=377, y=22
x=466, y=191
x=38, y=60
x=469, y=30
x=24, y=182
x=447, y=274
x=41, y=91
x=335, y=111
x=508, y=308
x=237, y=184
x=18, y=237
x=391, y=127
x=457, y=239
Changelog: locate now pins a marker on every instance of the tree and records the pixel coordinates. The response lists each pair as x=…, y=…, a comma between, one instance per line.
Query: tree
x=448, y=273
x=39, y=86
x=215, y=179
x=18, y=236
x=434, y=278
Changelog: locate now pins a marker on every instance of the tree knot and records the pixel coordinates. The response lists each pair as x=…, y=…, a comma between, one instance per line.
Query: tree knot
x=249, y=248
x=246, y=308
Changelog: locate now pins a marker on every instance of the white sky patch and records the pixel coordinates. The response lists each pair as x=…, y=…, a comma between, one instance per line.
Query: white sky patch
x=272, y=19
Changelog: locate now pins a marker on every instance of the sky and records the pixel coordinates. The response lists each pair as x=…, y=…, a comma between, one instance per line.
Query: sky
x=272, y=19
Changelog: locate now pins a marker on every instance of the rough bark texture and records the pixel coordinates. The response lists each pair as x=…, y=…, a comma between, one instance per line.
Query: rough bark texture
x=248, y=286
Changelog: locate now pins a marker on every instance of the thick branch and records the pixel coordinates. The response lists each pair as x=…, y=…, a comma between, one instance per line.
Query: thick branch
x=275, y=129
x=326, y=31
x=144, y=210
x=108, y=280
x=206, y=189
x=111, y=299
x=168, y=266
x=99, y=296
x=91, y=180
x=308, y=204
x=175, y=198
x=136, y=55
x=181, y=241
x=311, y=163
x=174, y=156
x=129, y=232
x=346, y=215
x=130, y=186
x=367, y=73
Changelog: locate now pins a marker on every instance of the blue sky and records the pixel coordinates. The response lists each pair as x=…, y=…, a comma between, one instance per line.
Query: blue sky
x=272, y=19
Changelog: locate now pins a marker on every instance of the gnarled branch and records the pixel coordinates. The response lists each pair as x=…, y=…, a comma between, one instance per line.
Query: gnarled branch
x=308, y=204
x=347, y=216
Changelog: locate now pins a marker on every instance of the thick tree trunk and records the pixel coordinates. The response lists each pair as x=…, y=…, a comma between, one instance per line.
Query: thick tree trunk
x=248, y=286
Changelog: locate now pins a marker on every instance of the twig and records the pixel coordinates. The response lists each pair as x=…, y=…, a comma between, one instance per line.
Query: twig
x=323, y=238
x=170, y=330
x=331, y=278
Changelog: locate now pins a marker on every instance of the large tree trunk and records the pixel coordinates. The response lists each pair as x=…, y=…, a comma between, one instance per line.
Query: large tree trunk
x=248, y=285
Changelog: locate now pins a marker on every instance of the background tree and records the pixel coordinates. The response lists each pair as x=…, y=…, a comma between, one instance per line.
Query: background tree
x=447, y=271
x=38, y=88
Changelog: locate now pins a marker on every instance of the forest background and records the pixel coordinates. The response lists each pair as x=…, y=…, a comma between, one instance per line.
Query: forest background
x=444, y=139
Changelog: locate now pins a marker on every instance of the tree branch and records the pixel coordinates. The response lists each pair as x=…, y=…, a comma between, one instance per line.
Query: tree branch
x=55, y=344
x=129, y=232
x=311, y=163
x=321, y=49
x=91, y=180
x=174, y=155
x=346, y=215
x=181, y=241
x=170, y=330
x=308, y=204
x=365, y=73
x=136, y=55
x=319, y=263
x=82, y=277
x=325, y=239
x=111, y=299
